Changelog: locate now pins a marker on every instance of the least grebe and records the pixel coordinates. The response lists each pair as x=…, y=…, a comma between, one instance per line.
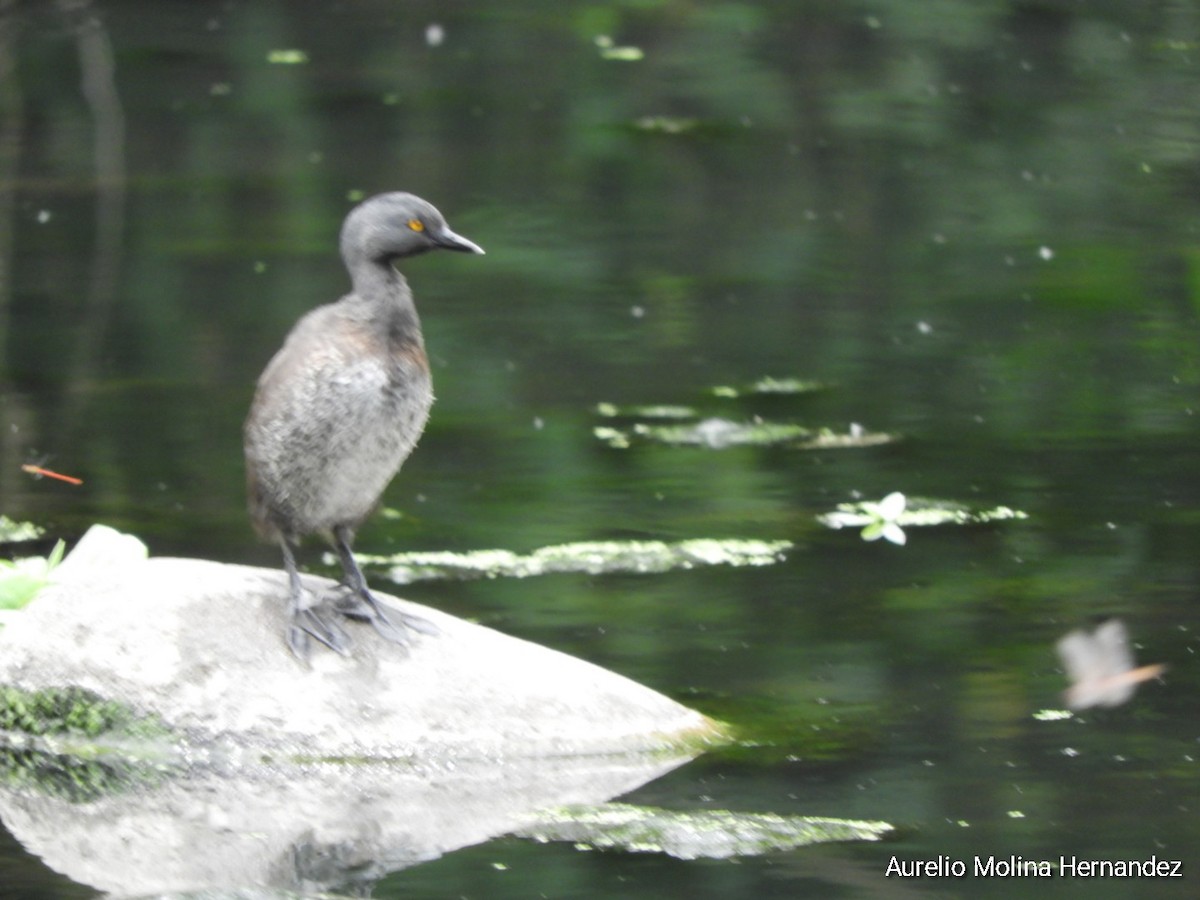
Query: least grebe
x=340, y=407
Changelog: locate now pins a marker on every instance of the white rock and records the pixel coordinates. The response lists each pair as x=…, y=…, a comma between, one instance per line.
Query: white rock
x=200, y=645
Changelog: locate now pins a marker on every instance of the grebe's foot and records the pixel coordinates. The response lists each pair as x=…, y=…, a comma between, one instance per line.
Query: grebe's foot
x=391, y=624
x=306, y=624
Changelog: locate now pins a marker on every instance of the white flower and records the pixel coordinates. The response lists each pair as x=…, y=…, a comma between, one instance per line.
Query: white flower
x=883, y=519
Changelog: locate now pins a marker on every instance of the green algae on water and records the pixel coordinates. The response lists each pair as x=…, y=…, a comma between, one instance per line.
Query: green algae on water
x=718, y=434
x=12, y=532
x=647, y=411
x=706, y=834
x=769, y=385
x=889, y=516
x=590, y=557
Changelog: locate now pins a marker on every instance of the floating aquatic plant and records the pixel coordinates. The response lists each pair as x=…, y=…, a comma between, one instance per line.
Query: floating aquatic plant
x=591, y=557
x=718, y=434
x=884, y=515
x=769, y=385
x=666, y=124
x=287, y=57
x=649, y=411
x=609, y=49
x=856, y=436
x=887, y=518
x=706, y=834
x=1052, y=715
x=15, y=532
x=713, y=433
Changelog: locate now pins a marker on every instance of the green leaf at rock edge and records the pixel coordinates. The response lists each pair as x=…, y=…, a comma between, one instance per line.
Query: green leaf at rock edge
x=20, y=580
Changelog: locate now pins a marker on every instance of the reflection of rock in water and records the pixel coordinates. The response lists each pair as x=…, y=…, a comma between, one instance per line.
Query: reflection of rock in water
x=1100, y=666
x=305, y=829
x=314, y=864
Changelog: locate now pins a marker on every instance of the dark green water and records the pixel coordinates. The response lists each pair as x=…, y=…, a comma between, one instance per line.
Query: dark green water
x=977, y=221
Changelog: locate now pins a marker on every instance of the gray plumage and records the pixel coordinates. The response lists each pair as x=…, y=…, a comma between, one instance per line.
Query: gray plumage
x=342, y=404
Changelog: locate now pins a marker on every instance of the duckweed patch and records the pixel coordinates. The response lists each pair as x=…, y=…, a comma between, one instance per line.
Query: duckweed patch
x=589, y=557
x=708, y=834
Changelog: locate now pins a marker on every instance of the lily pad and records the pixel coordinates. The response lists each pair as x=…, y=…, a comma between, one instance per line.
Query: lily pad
x=707, y=834
x=591, y=557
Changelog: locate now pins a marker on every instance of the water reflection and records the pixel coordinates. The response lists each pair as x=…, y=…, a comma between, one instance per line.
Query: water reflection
x=303, y=830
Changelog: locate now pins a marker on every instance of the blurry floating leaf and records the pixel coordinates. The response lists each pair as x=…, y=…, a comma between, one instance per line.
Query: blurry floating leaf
x=592, y=557
x=707, y=834
x=287, y=57
x=718, y=434
x=768, y=385
x=715, y=433
x=857, y=436
x=651, y=411
x=15, y=532
x=1052, y=715
x=610, y=50
x=887, y=517
x=614, y=437
x=665, y=124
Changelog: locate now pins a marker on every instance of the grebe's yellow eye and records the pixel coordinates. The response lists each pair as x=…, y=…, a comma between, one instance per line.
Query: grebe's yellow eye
x=416, y=225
